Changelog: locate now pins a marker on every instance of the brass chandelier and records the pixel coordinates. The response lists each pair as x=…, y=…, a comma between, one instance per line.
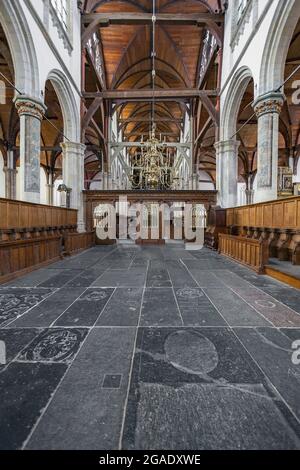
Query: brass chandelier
x=151, y=166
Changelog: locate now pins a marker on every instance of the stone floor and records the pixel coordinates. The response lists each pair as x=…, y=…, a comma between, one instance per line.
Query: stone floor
x=149, y=348
x=285, y=267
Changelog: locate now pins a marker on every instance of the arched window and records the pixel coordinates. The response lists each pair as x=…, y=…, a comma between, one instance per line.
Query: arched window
x=242, y=4
x=62, y=10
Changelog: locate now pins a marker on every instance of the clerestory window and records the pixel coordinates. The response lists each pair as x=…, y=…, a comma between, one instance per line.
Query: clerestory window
x=61, y=9
x=242, y=4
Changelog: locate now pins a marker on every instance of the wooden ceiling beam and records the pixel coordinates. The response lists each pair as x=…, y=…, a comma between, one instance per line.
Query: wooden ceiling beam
x=145, y=94
x=112, y=18
x=148, y=119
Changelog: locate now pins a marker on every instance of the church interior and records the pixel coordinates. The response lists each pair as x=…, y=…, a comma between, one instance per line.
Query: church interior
x=149, y=225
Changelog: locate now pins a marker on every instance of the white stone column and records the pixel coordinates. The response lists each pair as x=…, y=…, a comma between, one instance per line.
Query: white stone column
x=31, y=113
x=267, y=109
x=73, y=177
x=227, y=169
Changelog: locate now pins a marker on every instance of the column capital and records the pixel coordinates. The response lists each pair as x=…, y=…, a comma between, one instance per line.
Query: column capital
x=231, y=145
x=269, y=103
x=29, y=106
x=74, y=147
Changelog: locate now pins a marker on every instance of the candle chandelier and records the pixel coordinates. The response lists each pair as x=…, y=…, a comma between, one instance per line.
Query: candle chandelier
x=151, y=165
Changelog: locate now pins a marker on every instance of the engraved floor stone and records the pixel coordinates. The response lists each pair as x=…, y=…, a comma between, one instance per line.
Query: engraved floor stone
x=123, y=308
x=190, y=388
x=86, y=309
x=44, y=314
x=158, y=275
x=159, y=308
x=25, y=391
x=112, y=381
x=97, y=422
x=209, y=417
x=279, y=314
x=285, y=294
x=196, y=309
x=15, y=302
x=272, y=350
x=101, y=360
x=54, y=345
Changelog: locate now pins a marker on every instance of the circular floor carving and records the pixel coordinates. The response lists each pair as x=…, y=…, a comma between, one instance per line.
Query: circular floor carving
x=191, y=352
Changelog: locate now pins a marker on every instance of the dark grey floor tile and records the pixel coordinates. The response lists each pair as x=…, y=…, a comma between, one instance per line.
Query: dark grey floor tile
x=59, y=280
x=275, y=312
x=179, y=275
x=86, y=278
x=25, y=391
x=293, y=334
x=15, y=339
x=235, y=311
x=44, y=314
x=54, y=345
x=160, y=308
x=15, y=302
x=273, y=351
x=231, y=279
x=284, y=294
x=123, y=309
x=134, y=277
x=158, y=275
x=97, y=422
x=206, y=278
x=189, y=389
x=196, y=309
x=34, y=278
x=86, y=309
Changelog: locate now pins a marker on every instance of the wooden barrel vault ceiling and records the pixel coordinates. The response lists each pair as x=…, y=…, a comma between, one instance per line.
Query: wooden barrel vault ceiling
x=117, y=46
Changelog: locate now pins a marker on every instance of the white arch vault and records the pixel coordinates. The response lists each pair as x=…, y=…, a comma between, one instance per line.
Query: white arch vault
x=227, y=148
x=70, y=111
x=22, y=48
x=73, y=150
x=277, y=45
x=232, y=103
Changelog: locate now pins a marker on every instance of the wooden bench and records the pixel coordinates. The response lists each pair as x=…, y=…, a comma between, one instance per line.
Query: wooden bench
x=247, y=251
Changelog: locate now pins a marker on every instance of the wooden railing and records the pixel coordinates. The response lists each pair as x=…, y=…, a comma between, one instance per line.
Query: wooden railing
x=251, y=253
x=74, y=242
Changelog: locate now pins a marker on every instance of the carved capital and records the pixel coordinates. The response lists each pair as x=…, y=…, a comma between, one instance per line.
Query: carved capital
x=270, y=103
x=226, y=146
x=30, y=107
x=73, y=147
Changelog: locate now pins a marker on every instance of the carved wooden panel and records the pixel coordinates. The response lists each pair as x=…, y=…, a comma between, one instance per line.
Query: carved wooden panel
x=252, y=253
x=282, y=213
